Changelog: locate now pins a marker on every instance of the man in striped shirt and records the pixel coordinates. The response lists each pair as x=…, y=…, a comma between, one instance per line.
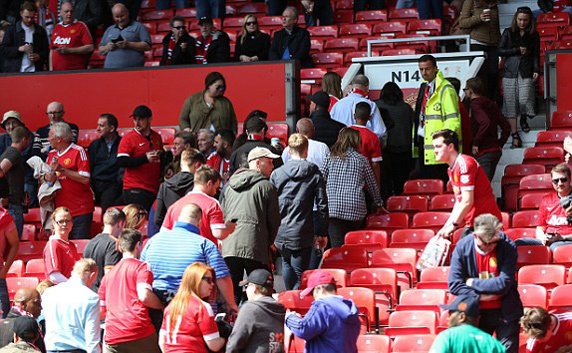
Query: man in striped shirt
x=170, y=252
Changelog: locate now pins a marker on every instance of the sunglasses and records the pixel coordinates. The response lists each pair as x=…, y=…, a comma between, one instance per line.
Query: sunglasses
x=488, y=243
x=251, y=23
x=179, y=27
x=64, y=221
x=562, y=180
x=524, y=9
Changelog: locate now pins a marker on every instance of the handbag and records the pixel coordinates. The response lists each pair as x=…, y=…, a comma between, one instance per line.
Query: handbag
x=435, y=253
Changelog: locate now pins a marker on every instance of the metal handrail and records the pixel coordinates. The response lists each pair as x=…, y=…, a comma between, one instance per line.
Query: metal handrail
x=464, y=37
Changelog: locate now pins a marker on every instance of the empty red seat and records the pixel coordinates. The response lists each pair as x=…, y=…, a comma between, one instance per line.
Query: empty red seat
x=561, y=120
x=410, y=204
x=430, y=220
x=561, y=298
x=253, y=8
x=279, y=130
x=552, y=138
x=345, y=258
x=533, y=255
x=157, y=15
x=17, y=269
x=427, y=187
x=86, y=137
x=381, y=280
x=36, y=268
x=413, y=343
x=371, y=16
x=402, y=260
x=344, y=16
x=547, y=156
x=562, y=18
x=31, y=250
x=323, y=32
x=312, y=74
x=434, y=278
x=316, y=46
x=516, y=233
x=190, y=12
x=505, y=220
x=549, y=276
x=348, y=57
x=15, y=283
x=396, y=52
x=344, y=4
x=533, y=295
x=364, y=299
x=328, y=60
x=422, y=299
x=411, y=238
x=388, y=222
x=411, y=13
x=341, y=277
x=531, y=201
x=341, y=44
x=270, y=22
x=355, y=30
x=233, y=22
x=373, y=344
x=563, y=255
x=412, y=322
x=443, y=202
x=390, y=27
x=291, y=300
x=513, y=173
x=366, y=236
x=529, y=218
x=427, y=26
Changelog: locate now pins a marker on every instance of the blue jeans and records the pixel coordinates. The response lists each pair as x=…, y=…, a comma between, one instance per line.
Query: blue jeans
x=4, y=298
x=81, y=226
x=430, y=9
x=294, y=262
x=18, y=214
x=165, y=4
x=405, y=4
x=211, y=8
x=534, y=241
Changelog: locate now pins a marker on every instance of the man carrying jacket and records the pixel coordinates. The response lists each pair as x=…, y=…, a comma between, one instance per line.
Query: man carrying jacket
x=437, y=108
x=483, y=265
x=252, y=201
x=299, y=183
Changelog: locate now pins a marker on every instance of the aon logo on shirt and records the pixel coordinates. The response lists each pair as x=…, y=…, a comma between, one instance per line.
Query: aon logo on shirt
x=59, y=40
x=557, y=221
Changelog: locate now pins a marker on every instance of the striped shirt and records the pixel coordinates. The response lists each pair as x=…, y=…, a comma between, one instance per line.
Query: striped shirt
x=170, y=252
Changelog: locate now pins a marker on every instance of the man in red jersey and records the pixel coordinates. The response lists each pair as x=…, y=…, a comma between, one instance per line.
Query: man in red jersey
x=370, y=146
x=139, y=153
x=213, y=226
x=473, y=192
x=70, y=165
x=71, y=42
x=126, y=294
x=547, y=333
x=59, y=254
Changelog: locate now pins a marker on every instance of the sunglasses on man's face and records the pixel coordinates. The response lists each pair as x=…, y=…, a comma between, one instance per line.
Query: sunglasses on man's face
x=562, y=180
x=179, y=27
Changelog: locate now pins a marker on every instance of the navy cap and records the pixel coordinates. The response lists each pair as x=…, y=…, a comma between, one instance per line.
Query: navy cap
x=465, y=303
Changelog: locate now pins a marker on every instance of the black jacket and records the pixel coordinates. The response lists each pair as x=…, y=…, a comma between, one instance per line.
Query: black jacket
x=16, y=37
x=180, y=56
x=254, y=45
x=239, y=155
x=170, y=192
x=327, y=129
x=219, y=50
x=7, y=332
x=298, y=44
x=515, y=62
x=103, y=162
x=398, y=137
x=89, y=12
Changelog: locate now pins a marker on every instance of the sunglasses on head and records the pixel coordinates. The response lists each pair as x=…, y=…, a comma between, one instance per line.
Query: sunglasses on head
x=562, y=180
x=524, y=9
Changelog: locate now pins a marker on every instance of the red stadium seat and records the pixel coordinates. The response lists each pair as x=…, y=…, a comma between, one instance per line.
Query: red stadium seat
x=427, y=187
x=355, y=30
x=390, y=27
x=396, y=52
x=430, y=220
x=562, y=44
x=36, y=268
x=346, y=258
x=344, y=4
x=561, y=298
x=230, y=10
x=413, y=322
x=29, y=232
x=533, y=255
x=163, y=27
x=279, y=130
x=535, y=182
x=80, y=245
x=443, y=202
x=253, y=8
x=549, y=276
x=561, y=120
x=31, y=250
x=411, y=13
x=410, y=204
x=373, y=344
x=270, y=22
x=297, y=345
x=15, y=283
x=328, y=60
x=340, y=71
x=505, y=220
x=432, y=26
x=422, y=299
x=323, y=32
x=562, y=255
x=364, y=299
x=188, y=13
x=411, y=238
x=566, y=33
x=516, y=233
x=548, y=157
x=434, y=278
x=381, y=280
x=413, y=343
x=344, y=16
x=371, y=16
x=388, y=222
x=366, y=237
x=376, y=47
x=291, y=300
x=167, y=134
x=316, y=46
x=312, y=74
x=523, y=219
x=157, y=15
x=562, y=18
x=531, y=201
x=305, y=89
x=341, y=44
x=513, y=173
x=357, y=54
x=233, y=22
x=17, y=269
x=533, y=295
x=341, y=277
x=86, y=137
x=552, y=138
x=33, y=217
x=402, y=260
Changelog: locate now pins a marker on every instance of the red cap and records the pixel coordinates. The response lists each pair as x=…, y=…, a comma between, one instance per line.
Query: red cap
x=317, y=278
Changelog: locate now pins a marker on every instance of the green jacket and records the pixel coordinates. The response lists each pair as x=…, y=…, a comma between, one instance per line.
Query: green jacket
x=197, y=115
x=250, y=198
x=20, y=347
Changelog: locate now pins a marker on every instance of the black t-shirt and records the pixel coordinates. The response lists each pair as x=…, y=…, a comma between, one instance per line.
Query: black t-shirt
x=103, y=250
x=15, y=176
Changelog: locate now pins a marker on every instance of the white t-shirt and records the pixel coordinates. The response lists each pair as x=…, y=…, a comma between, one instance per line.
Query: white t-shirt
x=27, y=64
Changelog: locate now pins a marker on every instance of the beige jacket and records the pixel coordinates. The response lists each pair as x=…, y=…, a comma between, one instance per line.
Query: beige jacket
x=484, y=32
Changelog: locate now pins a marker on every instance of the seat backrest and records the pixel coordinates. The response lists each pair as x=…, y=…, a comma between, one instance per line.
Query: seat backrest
x=527, y=218
x=291, y=300
x=388, y=222
x=533, y=295
x=435, y=274
x=423, y=297
x=35, y=266
x=412, y=235
x=371, y=15
x=413, y=343
x=523, y=169
x=17, y=268
x=536, y=182
x=323, y=31
x=561, y=119
x=516, y=233
x=443, y=202
x=15, y=283
x=530, y=201
x=430, y=220
x=563, y=255
x=561, y=297
x=413, y=203
x=345, y=257
x=340, y=275
x=415, y=318
x=364, y=299
x=373, y=344
x=423, y=187
x=367, y=237
x=378, y=279
x=533, y=255
x=548, y=276
x=392, y=256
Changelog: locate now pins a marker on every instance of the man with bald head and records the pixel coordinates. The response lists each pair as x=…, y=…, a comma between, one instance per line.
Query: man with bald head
x=317, y=151
x=55, y=112
x=27, y=301
x=124, y=44
x=169, y=253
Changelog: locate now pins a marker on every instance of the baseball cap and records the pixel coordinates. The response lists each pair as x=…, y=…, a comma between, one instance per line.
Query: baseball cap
x=26, y=327
x=321, y=98
x=142, y=111
x=11, y=114
x=261, y=277
x=317, y=278
x=465, y=303
x=205, y=19
x=259, y=152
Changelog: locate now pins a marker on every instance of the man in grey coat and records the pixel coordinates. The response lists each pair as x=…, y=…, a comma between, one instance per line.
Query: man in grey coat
x=251, y=201
x=299, y=184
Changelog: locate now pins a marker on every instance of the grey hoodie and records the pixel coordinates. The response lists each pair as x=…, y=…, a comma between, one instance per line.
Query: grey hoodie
x=259, y=328
x=299, y=183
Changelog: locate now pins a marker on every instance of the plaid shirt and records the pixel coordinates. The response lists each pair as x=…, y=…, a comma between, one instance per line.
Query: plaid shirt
x=345, y=186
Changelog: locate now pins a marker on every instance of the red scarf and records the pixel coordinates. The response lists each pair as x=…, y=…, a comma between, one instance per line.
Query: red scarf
x=170, y=49
x=360, y=92
x=202, y=47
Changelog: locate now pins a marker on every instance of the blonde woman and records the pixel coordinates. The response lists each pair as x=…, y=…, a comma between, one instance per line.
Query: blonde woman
x=135, y=216
x=189, y=322
x=252, y=44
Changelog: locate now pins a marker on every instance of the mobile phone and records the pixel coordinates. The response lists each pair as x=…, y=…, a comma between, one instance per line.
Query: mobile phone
x=234, y=220
x=118, y=39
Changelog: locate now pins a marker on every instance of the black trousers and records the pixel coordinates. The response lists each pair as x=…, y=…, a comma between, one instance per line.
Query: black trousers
x=491, y=321
x=338, y=229
x=395, y=172
x=142, y=197
x=489, y=72
x=360, y=5
x=106, y=193
x=236, y=267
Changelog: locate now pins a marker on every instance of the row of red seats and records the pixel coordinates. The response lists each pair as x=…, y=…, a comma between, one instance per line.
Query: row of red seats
x=372, y=343
x=30, y=250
